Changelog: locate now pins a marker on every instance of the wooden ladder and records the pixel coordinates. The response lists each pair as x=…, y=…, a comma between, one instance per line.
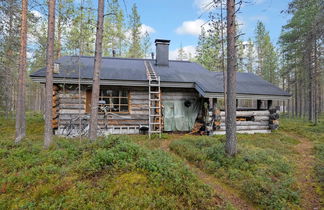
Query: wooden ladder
x=155, y=108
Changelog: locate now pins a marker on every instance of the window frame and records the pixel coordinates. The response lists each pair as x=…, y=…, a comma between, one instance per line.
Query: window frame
x=111, y=97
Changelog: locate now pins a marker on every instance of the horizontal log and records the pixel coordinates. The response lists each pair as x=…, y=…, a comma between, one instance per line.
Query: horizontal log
x=247, y=123
x=256, y=119
x=55, y=103
x=72, y=106
x=139, y=97
x=68, y=116
x=71, y=101
x=71, y=96
x=143, y=112
x=249, y=127
x=243, y=131
x=139, y=102
x=139, y=107
x=71, y=111
x=54, y=98
x=261, y=118
x=133, y=93
x=249, y=113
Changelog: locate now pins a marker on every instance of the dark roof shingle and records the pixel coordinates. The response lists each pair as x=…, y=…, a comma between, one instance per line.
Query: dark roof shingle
x=178, y=71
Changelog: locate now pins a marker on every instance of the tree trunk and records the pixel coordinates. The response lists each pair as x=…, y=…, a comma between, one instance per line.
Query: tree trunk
x=59, y=30
x=20, y=107
x=230, y=146
x=49, y=74
x=96, y=73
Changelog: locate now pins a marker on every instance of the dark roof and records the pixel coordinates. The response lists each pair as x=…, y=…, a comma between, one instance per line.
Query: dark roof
x=127, y=69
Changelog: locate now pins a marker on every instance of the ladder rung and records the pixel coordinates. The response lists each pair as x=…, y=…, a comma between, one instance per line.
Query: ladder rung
x=155, y=123
x=155, y=107
x=154, y=92
x=154, y=99
x=156, y=115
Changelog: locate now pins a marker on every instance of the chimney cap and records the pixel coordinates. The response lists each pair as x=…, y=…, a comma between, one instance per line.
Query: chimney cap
x=162, y=41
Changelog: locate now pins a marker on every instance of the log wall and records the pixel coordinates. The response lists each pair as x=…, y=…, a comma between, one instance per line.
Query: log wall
x=69, y=110
x=248, y=122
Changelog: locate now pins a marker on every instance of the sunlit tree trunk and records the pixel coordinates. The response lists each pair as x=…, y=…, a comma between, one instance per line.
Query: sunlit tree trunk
x=48, y=134
x=20, y=107
x=96, y=73
x=230, y=146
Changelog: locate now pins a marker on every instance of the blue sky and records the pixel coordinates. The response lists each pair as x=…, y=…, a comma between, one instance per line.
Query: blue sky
x=180, y=20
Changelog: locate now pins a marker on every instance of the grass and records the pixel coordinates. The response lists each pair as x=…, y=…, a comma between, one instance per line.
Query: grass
x=113, y=173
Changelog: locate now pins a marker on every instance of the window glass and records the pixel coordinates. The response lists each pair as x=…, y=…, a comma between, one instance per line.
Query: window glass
x=113, y=101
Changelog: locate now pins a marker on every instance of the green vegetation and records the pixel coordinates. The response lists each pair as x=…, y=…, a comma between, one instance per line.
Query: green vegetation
x=264, y=168
x=314, y=133
x=121, y=172
x=261, y=173
x=110, y=173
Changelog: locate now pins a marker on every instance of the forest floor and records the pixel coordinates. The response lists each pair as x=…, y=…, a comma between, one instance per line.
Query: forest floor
x=284, y=169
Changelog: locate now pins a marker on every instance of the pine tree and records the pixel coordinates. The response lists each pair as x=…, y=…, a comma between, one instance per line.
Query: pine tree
x=85, y=19
x=9, y=52
x=49, y=75
x=146, y=45
x=259, y=40
x=114, y=30
x=182, y=54
x=300, y=43
x=240, y=56
x=266, y=54
x=20, y=108
x=250, y=57
x=135, y=50
x=96, y=73
x=65, y=10
x=231, y=141
x=209, y=49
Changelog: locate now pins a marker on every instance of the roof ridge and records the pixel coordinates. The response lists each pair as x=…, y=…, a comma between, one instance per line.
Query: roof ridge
x=122, y=58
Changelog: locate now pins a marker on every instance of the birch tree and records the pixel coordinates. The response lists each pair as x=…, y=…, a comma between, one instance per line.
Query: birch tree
x=96, y=73
x=20, y=107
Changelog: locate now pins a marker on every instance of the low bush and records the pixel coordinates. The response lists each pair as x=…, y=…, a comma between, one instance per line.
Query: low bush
x=262, y=174
x=110, y=173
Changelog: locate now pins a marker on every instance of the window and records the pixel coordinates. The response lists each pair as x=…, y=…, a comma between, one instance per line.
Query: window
x=246, y=104
x=113, y=101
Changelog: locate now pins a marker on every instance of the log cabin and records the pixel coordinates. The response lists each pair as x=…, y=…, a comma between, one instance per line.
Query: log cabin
x=156, y=95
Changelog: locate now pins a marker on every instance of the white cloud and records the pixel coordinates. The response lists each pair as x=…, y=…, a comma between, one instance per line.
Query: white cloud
x=148, y=29
x=241, y=23
x=190, y=49
x=192, y=27
x=204, y=5
x=37, y=14
x=144, y=28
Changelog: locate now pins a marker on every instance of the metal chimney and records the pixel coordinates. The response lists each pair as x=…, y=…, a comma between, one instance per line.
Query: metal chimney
x=162, y=52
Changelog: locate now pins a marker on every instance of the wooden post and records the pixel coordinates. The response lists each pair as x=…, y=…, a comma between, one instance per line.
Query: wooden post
x=269, y=104
x=259, y=103
x=211, y=104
